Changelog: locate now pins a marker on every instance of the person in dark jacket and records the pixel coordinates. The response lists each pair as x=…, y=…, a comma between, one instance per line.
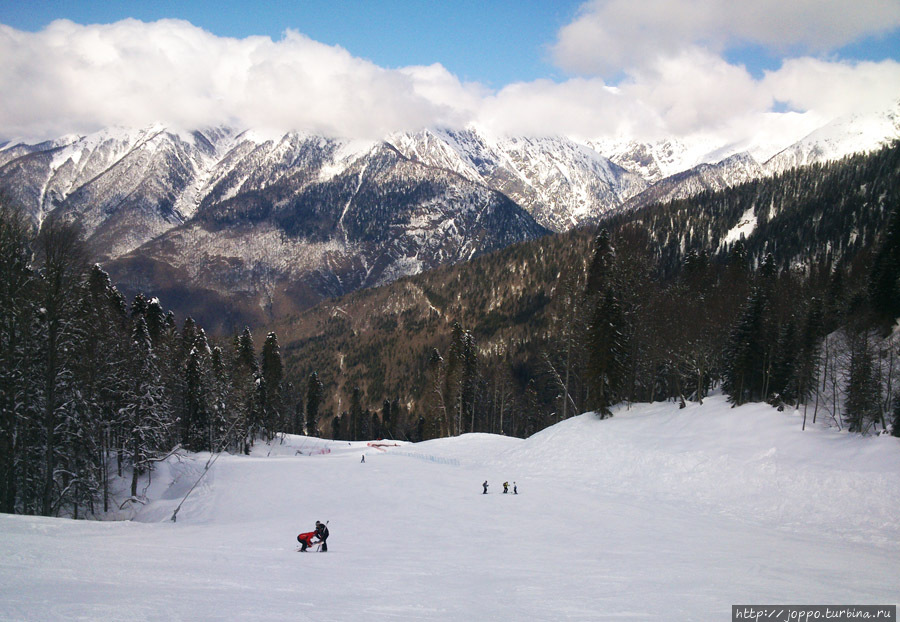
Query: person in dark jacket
x=322, y=535
x=485, y=487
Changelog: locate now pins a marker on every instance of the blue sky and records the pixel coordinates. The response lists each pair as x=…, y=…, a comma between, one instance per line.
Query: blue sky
x=713, y=71
x=494, y=42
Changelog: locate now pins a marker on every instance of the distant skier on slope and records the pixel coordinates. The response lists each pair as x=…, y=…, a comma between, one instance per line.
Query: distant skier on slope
x=505, y=487
x=485, y=487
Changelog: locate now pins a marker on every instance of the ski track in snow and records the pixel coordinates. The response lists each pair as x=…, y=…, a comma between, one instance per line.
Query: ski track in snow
x=655, y=514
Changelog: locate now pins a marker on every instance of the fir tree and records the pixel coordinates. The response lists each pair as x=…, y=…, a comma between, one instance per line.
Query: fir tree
x=744, y=359
x=386, y=418
x=863, y=403
x=314, y=393
x=895, y=421
x=197, y=433
x=884, y=276
x=17, y=321
x=272, y=370
x=607, y=347
x=356, y=412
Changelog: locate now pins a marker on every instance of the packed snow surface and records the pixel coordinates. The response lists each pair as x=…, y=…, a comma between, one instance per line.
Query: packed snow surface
x=655, y=514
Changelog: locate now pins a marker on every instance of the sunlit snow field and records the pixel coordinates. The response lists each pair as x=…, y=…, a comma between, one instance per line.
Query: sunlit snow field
x=655, y=514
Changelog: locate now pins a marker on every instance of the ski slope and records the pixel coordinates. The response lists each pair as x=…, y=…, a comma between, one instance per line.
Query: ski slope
x=655, y=514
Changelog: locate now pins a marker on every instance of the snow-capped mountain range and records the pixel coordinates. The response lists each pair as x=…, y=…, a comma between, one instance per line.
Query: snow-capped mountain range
x=292, y=216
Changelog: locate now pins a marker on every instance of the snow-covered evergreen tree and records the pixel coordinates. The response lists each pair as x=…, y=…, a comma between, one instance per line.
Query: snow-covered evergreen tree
x=272, y=371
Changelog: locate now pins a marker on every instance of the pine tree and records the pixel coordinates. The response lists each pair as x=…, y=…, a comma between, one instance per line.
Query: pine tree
x=782, y=381
x=356, y=412
x=454, y=378
x=314, y=393
x=63, y=265
x=607, y=347
x=599, y=275
x=434, y=402
x=895, y=421
x=221, y=400
x=244, y=376
x=336, y=427
x=744, y=358
x=272, y=370
x=138, y=306
x=146, y=423
x=884, y=276
x=808, y=351
x=469, y=381
x=365, y=419
x=156, y=321
x=197, y=434
x=386, y=418
x=863, y=403
x=17, y=321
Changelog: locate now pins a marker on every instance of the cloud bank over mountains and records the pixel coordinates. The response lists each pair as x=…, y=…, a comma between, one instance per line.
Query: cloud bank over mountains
x=610, y=36
x=637, y=70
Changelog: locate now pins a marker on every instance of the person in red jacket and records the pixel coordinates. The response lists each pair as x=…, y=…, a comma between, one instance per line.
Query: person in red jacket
x=305, y=540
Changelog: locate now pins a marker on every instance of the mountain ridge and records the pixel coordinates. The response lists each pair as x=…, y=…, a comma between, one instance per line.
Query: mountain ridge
x=337, y=214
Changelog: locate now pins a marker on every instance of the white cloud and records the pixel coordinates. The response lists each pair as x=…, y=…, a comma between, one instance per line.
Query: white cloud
x=835, y=88
x=73, y=78
x=610, y=36
x=70, y=77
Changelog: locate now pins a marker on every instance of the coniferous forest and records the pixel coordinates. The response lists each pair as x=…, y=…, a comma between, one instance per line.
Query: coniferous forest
x=667, y=302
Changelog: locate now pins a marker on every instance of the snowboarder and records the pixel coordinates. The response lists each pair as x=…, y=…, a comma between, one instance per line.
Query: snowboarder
x=515, y=489
x=322, y=534
x=505, y=487
x=485, y=487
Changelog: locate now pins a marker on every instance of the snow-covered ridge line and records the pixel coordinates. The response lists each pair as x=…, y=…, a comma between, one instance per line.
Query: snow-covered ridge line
x=562, y=182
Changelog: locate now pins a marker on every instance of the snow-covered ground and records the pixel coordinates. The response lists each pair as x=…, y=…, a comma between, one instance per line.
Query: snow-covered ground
x=655, y=514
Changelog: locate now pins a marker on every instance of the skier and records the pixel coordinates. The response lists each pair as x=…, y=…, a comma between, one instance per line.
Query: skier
x=322, y=534
x=505, y=487
x=515, y=489
x=485, y=487
x=363, y=458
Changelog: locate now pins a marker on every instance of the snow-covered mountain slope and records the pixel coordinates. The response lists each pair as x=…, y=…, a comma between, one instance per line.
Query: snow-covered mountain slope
x=283, y=243
x=124, y=187
x=655, y=161
x=147, y=180
x=840, y=137
x=705, y=177
x=655, y=514
x=562, y=184
x=240, y=215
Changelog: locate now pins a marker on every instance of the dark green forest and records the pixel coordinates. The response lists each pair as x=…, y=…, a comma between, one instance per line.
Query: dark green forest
x=674, y=282
x=653, y=304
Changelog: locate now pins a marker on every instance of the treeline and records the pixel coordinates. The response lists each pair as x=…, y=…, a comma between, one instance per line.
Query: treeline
x=816, y=338
x=93, y=387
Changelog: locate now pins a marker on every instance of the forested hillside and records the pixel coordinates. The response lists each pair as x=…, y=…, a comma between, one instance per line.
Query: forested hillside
x=680, y=276
x=782, y=290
